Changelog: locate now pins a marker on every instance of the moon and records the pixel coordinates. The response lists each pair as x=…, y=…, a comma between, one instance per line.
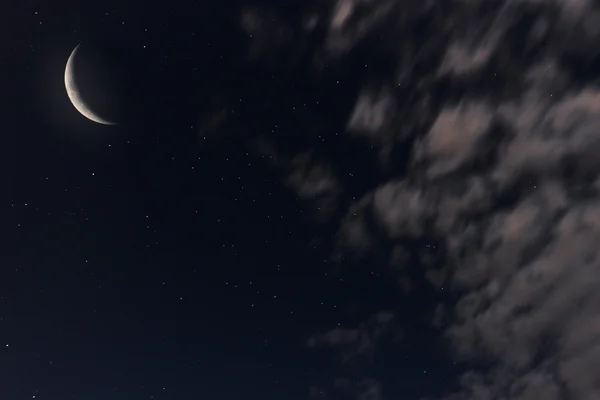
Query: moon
x=75, y=94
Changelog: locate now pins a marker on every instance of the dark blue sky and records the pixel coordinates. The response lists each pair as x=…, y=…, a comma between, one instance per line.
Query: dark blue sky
x=162, y=259
x=322, y=200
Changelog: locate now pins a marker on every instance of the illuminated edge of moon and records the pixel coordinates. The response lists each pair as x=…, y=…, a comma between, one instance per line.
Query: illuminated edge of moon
x=75, y=96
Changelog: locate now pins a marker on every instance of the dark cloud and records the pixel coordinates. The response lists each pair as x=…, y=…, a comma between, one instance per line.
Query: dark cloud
x=502, y=170
x=362, y=341
x=313, y=180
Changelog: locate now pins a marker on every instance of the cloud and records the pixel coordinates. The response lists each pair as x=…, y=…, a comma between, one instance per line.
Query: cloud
x=528, y=271
x=355, y=347
x=501, y=168
x=371, y=112
x=360, y=342
x=371, y=119
x=512, y=191
x=352, y=20
x=312, y=179
x=455, y=138
x=460, y=59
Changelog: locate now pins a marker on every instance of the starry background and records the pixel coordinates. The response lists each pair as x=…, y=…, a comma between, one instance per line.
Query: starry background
x=209, y=248
x=168, y=262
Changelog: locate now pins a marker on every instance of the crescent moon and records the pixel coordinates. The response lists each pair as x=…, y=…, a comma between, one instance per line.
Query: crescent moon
x=75, y=96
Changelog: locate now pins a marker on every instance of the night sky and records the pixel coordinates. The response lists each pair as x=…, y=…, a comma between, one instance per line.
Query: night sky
x=351, y=199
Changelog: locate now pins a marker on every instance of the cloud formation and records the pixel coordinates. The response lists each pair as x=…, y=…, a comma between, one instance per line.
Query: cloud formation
x=520, y=233
x=502, y=169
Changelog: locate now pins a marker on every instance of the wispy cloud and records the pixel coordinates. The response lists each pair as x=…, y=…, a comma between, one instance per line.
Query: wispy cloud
x=361, y=341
